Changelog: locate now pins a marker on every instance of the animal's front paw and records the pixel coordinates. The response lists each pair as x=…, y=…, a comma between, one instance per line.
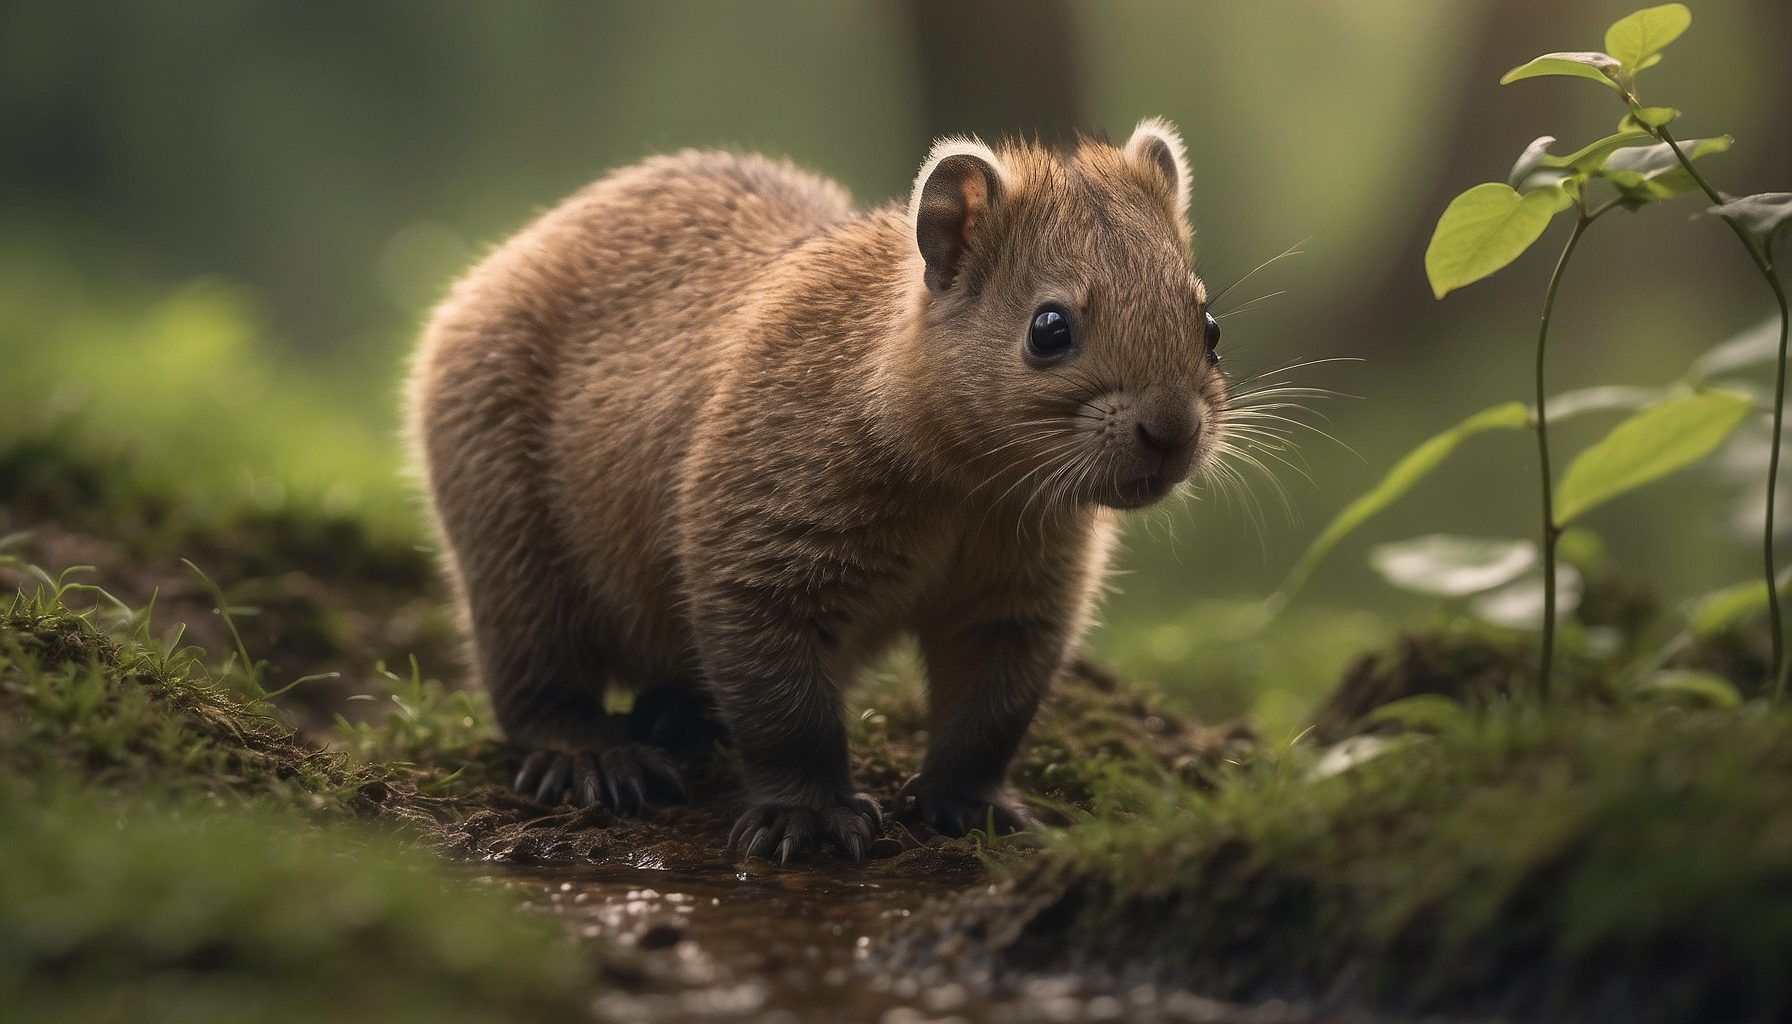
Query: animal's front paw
x=790, y=832
x=954, y=812
x=624, y=778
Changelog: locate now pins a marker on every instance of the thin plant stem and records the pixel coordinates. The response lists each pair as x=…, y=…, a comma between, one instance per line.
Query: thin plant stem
x=1762, y=255
x=1551, y=531
x=1782, y=665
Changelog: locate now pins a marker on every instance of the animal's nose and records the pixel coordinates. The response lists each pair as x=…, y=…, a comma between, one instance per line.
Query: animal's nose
x=1167, y=432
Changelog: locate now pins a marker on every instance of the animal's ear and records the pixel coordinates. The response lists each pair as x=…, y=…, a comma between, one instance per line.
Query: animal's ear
x=1157, y=147
x=957, y=185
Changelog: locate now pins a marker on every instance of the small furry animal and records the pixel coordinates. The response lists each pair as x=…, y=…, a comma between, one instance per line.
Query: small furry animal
x=708, y=432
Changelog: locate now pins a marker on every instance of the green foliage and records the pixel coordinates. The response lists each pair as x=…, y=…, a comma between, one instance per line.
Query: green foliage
x=1599, y=67
x=1764, y=215
x=429, y=725
x=1688, y=685
x=117, y=911
x=1452, y=566
x=1647, y=174
x=187, y=381
x=172, y=853
x=1486, y=228
x=120, y=711
x=1566, y=863
x=1726, y=607
x=1489, y=226
x=1647, y=447
x=1404, y=475
x=1636, y=40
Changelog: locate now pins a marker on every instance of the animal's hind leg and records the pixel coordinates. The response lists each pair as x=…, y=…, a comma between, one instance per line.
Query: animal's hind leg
x=546, y=679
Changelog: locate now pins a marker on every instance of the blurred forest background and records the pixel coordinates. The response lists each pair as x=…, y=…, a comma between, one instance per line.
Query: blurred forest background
x=221, y=225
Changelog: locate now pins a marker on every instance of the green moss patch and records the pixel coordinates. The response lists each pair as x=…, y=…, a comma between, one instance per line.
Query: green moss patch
x=128, y=910
x=1616, y=864
x=172, y=853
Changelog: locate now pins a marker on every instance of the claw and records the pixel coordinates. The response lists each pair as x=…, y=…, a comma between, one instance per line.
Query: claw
x=635, y=793
x=870, y=808
x=554, y=781
x=534, y=766
x=956, y=813
x=761, y=844
x=663, y=774
x=794, y=832
x=587, y=780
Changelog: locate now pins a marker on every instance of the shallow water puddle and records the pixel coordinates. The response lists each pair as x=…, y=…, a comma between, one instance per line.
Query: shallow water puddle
x=720, y=944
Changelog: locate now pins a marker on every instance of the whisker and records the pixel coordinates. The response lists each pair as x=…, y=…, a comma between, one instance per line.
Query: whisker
x=1293, y=250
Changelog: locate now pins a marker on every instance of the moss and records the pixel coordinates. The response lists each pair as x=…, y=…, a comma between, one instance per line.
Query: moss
x=1615, y=864
x=173, y=853
x=1467, y=664
x=117, y=712
x=127, y=910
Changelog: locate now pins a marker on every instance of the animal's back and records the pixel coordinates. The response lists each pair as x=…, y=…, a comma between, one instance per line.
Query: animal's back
x=558, y=384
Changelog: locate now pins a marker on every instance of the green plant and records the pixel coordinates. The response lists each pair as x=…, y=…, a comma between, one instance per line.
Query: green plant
x=1633, y=44
x=1487, y=227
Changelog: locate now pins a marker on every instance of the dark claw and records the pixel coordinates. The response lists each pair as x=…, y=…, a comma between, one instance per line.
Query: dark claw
x=796, y=832
x=555, y=780
x=587, y=780
x=761, y=844
x=741, y=826
x=663, y=774
x=620, y=778
x=534, y=766
x=870, y=808
x=956, y=814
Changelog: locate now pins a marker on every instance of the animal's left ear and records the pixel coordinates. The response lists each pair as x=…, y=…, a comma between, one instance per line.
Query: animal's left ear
x=1156, y=148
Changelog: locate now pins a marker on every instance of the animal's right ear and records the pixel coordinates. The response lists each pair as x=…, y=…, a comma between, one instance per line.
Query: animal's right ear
x=959, y=182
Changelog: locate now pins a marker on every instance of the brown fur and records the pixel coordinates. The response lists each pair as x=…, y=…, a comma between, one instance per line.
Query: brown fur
x=706, y=426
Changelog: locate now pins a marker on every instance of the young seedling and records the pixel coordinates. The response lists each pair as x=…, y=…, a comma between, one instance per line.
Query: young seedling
x=1633, y=44
x=1490, y=225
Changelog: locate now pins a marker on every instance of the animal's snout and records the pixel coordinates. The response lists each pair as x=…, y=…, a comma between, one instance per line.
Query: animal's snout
x=1164, y=438
x=1167, y=432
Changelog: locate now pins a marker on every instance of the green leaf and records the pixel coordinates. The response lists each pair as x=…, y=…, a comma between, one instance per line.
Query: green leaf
x=1530, y=160
x=1484, y=229
x=1635, y=38
x=1399, y=480
x=1714, y=613
x=1353, y=751
x=1743, y=350
x=1690, y=685
x=1647, y=117
x=1531, y=170
x=1602, y=398
x=1519, y=604
x=1645, y=174
x=1647, y=447
x=1600, y=67
x=1593, y=156
x=1764, y=214
x=1446, y=565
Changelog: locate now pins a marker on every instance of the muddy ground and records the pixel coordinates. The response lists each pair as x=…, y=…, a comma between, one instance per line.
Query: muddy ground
x=677, y=929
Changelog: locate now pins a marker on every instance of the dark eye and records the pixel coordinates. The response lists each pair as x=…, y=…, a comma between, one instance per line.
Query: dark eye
x=1213, y=339
x=1049, y=336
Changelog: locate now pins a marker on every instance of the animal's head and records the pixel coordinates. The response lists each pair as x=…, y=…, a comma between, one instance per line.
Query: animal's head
x=1063, y=319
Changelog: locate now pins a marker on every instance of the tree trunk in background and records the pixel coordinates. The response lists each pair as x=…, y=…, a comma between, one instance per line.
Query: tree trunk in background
x=1776, y=146
x=998, y=67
